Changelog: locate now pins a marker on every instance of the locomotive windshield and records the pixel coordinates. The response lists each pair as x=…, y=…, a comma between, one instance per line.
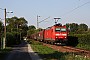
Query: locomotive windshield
x=60, y=29
x=63, y=30
x=57, y=29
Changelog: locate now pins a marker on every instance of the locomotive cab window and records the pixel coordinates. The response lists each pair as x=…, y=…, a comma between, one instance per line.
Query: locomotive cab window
x=63, y=30
x=60, y=30
x=57, y=29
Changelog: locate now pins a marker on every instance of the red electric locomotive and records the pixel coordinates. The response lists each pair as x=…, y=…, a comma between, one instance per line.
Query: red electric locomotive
x=54, y=34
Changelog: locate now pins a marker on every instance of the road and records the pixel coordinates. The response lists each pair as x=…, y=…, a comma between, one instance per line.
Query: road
x=19, y=53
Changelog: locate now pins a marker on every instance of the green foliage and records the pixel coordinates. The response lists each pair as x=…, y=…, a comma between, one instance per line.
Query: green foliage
x=39, y=29
x=83, y=27
x=73, y=27
x=32, y=29
x=72, y=56
x=45, y=52
x=16, y=24
x=15, y=28
x=83, y=40
x=79, y=29
x=29, y=32
x=12, y=38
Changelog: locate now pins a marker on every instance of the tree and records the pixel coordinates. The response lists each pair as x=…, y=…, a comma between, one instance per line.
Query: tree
x=73, y=27
x=22, y=26
x=83, y=27
x=32, y=27
x=11, y=24
x=31, y=30
x=18, y=25
x=15, y=24
x=39, y=29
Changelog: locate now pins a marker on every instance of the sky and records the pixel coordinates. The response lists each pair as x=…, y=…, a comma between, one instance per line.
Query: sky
x=70, y=11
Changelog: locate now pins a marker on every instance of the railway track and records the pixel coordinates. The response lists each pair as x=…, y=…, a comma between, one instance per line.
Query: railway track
x=69, y=49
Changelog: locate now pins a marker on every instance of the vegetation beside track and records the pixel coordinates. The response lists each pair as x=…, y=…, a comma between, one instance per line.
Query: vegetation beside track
x=82, y=40
x=49, y=54
x=4, y=52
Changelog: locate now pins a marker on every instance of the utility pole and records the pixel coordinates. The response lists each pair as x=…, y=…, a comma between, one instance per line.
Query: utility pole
x=4, y=39
x=40, y=21
x=37, y=22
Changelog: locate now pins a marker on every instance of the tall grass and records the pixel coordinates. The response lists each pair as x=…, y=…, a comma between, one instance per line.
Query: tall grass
x=47, y=53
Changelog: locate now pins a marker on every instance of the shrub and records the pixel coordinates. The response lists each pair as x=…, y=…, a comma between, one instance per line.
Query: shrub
x=83, y=40
x=12, y=39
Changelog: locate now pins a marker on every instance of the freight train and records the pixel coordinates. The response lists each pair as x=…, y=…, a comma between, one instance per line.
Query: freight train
x=54, y=34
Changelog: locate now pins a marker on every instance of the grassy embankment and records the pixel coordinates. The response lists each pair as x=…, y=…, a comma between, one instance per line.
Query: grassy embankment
x=50, y=54
x=4, y=52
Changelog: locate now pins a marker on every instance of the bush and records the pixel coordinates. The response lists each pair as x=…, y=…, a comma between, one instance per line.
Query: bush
x=83, y=40
x=12, y=38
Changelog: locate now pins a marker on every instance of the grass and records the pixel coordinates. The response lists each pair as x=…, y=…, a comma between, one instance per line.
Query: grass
x=4, y=52
x=83, y=46
x=47, y=53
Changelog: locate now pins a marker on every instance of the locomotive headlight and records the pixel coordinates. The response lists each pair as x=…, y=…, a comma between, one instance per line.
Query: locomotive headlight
x=65, y=37
x=64, y=34
x=56, y=37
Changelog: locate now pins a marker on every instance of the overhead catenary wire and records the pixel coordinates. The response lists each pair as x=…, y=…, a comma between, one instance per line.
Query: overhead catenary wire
x=75, y=8
x=44, y=20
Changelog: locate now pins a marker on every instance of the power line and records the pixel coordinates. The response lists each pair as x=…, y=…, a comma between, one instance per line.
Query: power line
x=44, y=19
x=76, y=8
